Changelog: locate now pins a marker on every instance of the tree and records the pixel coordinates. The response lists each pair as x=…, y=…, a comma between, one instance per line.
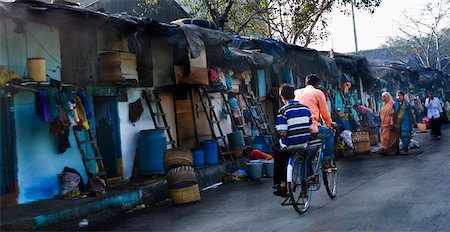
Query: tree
x=425, y=35
x=292, y=21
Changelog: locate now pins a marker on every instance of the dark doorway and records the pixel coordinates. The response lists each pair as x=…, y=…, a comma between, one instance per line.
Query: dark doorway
x=107, y=132
x=8, y=159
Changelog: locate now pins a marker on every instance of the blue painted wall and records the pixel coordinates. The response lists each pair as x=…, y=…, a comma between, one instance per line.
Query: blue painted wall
x=38, y=161
x=261, y=82
x=37, y=41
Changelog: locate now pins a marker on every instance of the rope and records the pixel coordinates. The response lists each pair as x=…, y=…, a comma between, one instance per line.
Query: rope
x=43, y=47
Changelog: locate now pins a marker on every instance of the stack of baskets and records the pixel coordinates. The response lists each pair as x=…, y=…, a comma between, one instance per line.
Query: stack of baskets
x=109, y=67
x=361, y=142
x=373, y=134
x=181, y=177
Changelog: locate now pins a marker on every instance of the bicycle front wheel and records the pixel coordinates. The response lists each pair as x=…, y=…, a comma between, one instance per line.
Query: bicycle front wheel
x=330, y=180
x=299, y=189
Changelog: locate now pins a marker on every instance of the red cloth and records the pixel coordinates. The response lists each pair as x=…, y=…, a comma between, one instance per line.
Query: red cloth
x=256, y=154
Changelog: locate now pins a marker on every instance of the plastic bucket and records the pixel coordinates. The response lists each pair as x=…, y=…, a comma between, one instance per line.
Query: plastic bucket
x=152, y=145
x=37, y=69
x=259, y=140
x=258, y=147
x=268, y=168
x=255, y=170
x=236, y=139
x=199, y=157
x=209, y=148
x=422, y=127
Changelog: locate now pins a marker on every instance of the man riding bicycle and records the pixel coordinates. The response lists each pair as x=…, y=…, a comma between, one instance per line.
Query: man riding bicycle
x=294, y=127
x=315, y=100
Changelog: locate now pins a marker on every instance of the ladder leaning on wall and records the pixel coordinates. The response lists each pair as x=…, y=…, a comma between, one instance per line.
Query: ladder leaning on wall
x=97, y=158
x=158, y=114
x=214, y=123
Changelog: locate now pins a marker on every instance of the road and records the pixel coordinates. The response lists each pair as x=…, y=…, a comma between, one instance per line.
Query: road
x=376, y=193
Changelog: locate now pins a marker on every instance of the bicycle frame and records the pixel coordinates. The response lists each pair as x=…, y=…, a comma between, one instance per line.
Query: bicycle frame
x=308, y=161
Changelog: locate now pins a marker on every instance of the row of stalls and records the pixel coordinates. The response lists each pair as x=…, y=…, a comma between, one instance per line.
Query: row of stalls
x=203, y=84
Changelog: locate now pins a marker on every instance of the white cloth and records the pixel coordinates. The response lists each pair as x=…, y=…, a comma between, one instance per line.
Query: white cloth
x=434, y=107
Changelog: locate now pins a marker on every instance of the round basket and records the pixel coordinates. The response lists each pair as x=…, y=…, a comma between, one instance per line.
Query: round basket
x=185, y=195
x=177, y=157
x=180, y=176
x=361, y=142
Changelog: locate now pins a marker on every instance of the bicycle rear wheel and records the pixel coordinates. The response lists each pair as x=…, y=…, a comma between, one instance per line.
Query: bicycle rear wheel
x=299, y=190
x=330, y=180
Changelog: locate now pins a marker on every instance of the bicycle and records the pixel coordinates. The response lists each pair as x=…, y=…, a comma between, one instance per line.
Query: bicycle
x=300, y=184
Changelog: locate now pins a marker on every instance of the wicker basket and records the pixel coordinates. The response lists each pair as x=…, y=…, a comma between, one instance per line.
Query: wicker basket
x=361, y=142
x=177, y=157
x=180, y=176
x=185, y=195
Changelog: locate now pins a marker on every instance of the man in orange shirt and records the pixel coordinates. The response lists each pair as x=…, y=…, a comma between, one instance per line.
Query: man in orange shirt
x=314, y=99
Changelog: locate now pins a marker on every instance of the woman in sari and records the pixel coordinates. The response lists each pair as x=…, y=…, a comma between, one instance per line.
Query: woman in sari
x=389, y=137
x=403, y=121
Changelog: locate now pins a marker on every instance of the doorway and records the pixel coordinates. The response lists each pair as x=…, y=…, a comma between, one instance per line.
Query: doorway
x=108, y=135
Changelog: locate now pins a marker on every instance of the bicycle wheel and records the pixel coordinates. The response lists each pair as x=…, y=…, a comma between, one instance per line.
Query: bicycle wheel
x=330, y=180
x=299, y=190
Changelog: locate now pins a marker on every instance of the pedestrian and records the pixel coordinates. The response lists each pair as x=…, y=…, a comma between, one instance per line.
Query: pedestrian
x=389, y=137
x=366, y=116
x=447, y=109
x=315, y=100
x=418, y=109
x=403, y=121
x=294, y=128
x=434, y=110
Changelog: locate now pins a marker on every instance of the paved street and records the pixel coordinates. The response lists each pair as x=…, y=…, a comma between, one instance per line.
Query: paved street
x=375, y=193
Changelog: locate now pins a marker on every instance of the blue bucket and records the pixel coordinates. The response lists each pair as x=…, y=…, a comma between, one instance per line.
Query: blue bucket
x=199, y=157
x=210, y=150
x=236, y=140
x=152, y=145
x=259, y=140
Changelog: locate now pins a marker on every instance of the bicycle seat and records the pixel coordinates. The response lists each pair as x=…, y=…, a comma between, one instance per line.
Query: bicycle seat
x=314, y=142
x=299, y=148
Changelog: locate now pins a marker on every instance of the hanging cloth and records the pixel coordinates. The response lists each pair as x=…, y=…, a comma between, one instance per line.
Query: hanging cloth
x=43, y=106
x=80, y=114
x=89, y=114
x=135, y=111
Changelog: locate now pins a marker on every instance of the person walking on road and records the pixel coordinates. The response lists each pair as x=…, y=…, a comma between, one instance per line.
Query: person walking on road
x=389, y=137
x=434, y=110
x=314, y=99
x=403, y=121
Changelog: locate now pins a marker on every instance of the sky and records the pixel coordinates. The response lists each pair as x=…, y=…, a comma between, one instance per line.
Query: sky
x=372, y=29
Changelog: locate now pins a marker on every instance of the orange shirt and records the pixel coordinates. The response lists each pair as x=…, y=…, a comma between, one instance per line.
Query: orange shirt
x=315, y=100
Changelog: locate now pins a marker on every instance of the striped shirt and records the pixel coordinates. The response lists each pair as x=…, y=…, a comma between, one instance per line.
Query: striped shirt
x=295, y=119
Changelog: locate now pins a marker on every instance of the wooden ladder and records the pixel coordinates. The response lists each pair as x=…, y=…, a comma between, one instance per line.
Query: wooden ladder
x=158, y=114
x=260, y=119
x=213, y=122
x=97, y=157
x=239, y=126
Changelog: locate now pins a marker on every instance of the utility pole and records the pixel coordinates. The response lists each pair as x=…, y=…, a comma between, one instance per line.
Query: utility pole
x=354, y=25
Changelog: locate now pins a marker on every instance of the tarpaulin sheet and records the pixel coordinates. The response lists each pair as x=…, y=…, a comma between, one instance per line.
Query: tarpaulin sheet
x=251, y=57
x=197, y=37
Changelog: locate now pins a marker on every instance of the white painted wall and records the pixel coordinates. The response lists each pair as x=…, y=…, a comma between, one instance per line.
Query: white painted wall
x=129, y=133
x=38, y=41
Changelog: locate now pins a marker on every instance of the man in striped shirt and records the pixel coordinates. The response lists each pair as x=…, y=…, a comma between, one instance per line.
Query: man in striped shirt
x=294, y=127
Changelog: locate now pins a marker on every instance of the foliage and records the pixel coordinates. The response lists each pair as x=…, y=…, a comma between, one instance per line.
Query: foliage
x=146, y=7
x=293, y=21
x=425, y=35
